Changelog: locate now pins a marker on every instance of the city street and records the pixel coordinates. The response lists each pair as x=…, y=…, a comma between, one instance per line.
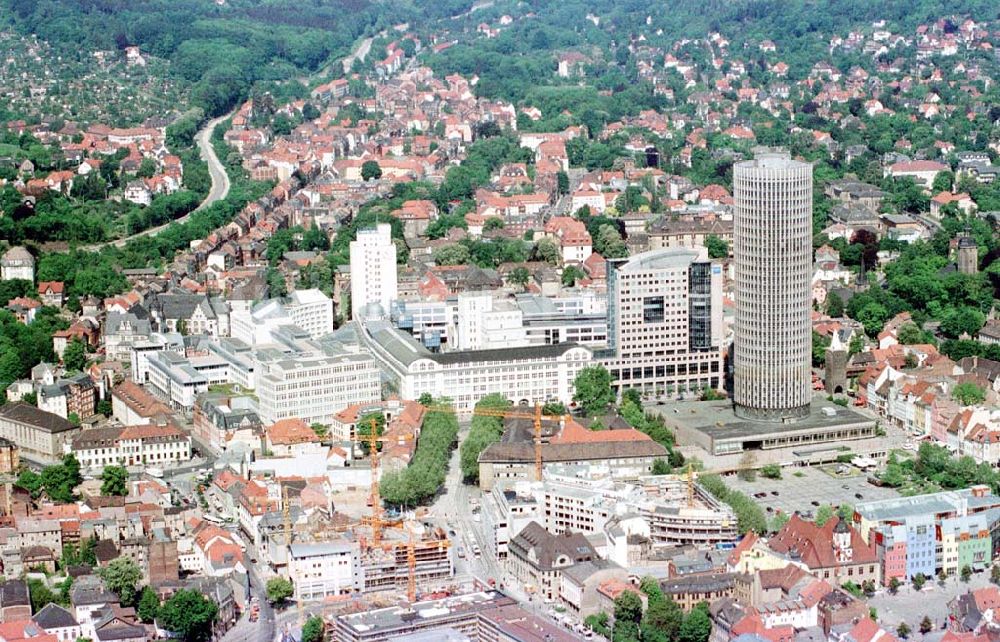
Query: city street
x=910, y=606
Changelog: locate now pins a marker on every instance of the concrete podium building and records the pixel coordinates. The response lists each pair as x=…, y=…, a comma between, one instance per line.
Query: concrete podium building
x=772, y=248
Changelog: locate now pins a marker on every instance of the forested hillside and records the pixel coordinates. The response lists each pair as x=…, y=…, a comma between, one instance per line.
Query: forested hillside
x=222, y=49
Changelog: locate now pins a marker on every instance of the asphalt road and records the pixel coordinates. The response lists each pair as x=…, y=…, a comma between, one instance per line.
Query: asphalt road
x=218, y=191
x=220, y=179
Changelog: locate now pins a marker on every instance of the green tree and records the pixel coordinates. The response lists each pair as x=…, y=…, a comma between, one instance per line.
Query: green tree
x=279, y=589
x=628, y=607
x=661, y=467
x=562, y=182
x=312, y=630
x=926, y=625
x=903, y=630
x=75, y=356
x=598, y=623
x=40, y=594
x=894, y=585
x=771, y=471
x=963, y=320
x=147, y=168
x=571, y=274
x=697, y=625
x=717, y=248
x=968, y=393
x=114, y=481
x=370, y=170
x=592, y=390
x=609, y=243
x=452, y=255
x=520, y=276
x=966, y=573
x=321, y=430
x=943, y=182
x=662, y=620
x=121, y=577
x=834, y=305
x=823, y=514
x=919, y=580
x=189, y=614
x=30, y=481
x=546, y=250
x=149, y=605
x=995, y=574
x=483, y=432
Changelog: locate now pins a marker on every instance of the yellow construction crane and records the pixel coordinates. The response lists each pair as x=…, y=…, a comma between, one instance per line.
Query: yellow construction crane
x=372, y=439
x=411, y=561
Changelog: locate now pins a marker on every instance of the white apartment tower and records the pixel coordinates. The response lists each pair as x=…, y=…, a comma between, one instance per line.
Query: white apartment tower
x=772, y=248
x=373, y=269
x=665, y=325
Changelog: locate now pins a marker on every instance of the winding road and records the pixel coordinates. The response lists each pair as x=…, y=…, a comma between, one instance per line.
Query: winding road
x=218, y=191
x=359, y=53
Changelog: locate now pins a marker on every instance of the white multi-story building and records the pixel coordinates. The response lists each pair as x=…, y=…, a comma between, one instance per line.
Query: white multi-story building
x=310, y=310
x=484, y=323
x=174, y=380
x=324, y=570
x=314, y=386
x=665, y=322
x=772, y=248
x=525, y=375
x=373, y=269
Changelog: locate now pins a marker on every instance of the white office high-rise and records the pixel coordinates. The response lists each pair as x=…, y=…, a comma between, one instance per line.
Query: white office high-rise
x=772, y=248
x=373, y=269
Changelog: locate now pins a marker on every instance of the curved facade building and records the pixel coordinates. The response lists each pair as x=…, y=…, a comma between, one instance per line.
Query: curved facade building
x=772, y=248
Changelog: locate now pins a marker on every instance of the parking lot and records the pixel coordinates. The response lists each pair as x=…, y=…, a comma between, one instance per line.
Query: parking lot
x=805, y=489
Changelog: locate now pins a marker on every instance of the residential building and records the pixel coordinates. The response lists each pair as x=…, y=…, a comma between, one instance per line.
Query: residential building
x=17, y=263
x=665, y=322
x=373, y=270
x=930, y=533
x=537, y=558
x=132, y=405
x=772, y=248
x=146, y=444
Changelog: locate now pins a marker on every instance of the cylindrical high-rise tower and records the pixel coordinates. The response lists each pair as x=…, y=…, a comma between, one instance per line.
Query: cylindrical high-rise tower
x=772, y=248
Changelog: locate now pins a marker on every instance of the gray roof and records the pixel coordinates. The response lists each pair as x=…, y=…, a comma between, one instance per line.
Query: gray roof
x=548, y=548
x=14, y=593
x=23, y=413
x=663, y=259
x=53, y=616
x=115, y=321
x=525, y=452
x=528, y=353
